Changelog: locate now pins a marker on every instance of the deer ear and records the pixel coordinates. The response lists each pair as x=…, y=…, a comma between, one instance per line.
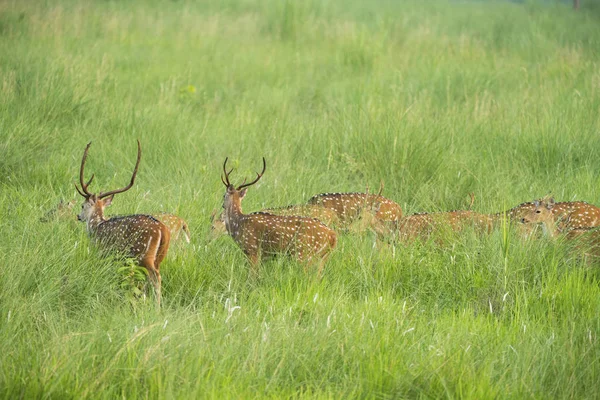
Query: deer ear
x=109, y=200
x=242, y=193
x=550, y=203
x=536, y=203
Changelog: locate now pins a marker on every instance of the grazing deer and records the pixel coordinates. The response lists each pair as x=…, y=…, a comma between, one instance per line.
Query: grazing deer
x=264, y=233
x=138, y=236
x=176, y=225
x=351, y=207
x=567, y=215
x=424, y=225
x=62, y=210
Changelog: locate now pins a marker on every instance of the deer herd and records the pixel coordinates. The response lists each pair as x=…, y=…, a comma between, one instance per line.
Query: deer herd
x=309, y=232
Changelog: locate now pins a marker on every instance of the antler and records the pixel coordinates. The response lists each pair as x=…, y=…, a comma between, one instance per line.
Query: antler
x=137, y=163
x=226, y=180
x=380, y=189
x=258, y=176
x=84, y=192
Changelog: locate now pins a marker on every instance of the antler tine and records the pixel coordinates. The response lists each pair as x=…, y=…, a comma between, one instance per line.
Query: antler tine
x=258, y=176
x=226, y=180
x=376, y=197
x=380, y=189
x=84, y=186
x=84, y=192
x=137, y=164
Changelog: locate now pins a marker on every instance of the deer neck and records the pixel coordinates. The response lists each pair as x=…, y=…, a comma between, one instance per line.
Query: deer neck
x=95, y=221
x=232, y=217
x=549, y=228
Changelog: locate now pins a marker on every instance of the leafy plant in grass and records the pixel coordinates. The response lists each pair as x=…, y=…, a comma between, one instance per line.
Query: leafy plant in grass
x=133, y=282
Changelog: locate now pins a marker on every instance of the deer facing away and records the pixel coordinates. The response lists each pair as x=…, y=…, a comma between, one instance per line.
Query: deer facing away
x=141, y=237
x=177, y=225
x=263, y=233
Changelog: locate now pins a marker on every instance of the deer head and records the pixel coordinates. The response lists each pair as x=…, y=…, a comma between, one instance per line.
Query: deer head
x=540, y=214
x=92, y=209
x=232, y=201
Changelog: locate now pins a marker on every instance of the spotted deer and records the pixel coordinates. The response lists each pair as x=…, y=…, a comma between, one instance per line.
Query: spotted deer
x=425, y=225
x=325, y=215
x=263, y=233
x=141, y=237
x=567, y=215
x=177, y=225
x=540, y=214
x=585, y=240
x=62, y=210
x=351, y=207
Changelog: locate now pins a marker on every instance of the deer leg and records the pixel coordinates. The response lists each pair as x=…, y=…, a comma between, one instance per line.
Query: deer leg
x=153, y=275
x=321, y=266
x=163, y=247
x=254, y=259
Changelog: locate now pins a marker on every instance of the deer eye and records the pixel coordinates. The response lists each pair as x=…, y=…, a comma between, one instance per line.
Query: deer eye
x=537, y=211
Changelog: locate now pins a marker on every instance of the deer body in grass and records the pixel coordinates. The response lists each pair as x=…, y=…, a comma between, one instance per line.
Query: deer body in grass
x=424, y=225
x=352, y=207
x=324, y=215
x=585, y=240
x=141, y=237
x=177, y=225
x=565, y=216
x=263, y=233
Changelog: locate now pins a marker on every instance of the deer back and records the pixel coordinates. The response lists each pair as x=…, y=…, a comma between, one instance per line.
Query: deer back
x=176, y=225
x=423, y=225
x=325, y=215
x=575, y=214
x=349, y=206
x=302, y=237
x=130, y=234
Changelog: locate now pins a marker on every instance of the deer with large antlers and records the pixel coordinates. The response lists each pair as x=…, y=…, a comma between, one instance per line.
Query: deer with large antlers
x=138, y=236
x=177, y=225
x=263, y=233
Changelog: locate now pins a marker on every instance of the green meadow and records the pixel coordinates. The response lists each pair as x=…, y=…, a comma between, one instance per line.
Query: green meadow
x=437, y=99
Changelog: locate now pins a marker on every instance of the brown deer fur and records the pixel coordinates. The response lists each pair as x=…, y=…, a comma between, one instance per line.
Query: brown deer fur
x=141, y=237
x=268, y=234
x=351, y=206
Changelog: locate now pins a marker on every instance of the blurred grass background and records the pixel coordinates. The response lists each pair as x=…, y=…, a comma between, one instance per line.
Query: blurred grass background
x=437, y=99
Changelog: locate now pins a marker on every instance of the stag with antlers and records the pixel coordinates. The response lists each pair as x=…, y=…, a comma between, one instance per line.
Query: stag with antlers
x=141, y=237
x=266, y=234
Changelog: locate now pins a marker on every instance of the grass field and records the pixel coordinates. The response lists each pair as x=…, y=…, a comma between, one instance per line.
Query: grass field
x=437, y=99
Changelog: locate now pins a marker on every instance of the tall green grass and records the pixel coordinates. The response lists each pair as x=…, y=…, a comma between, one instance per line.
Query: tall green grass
x=437, y=99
